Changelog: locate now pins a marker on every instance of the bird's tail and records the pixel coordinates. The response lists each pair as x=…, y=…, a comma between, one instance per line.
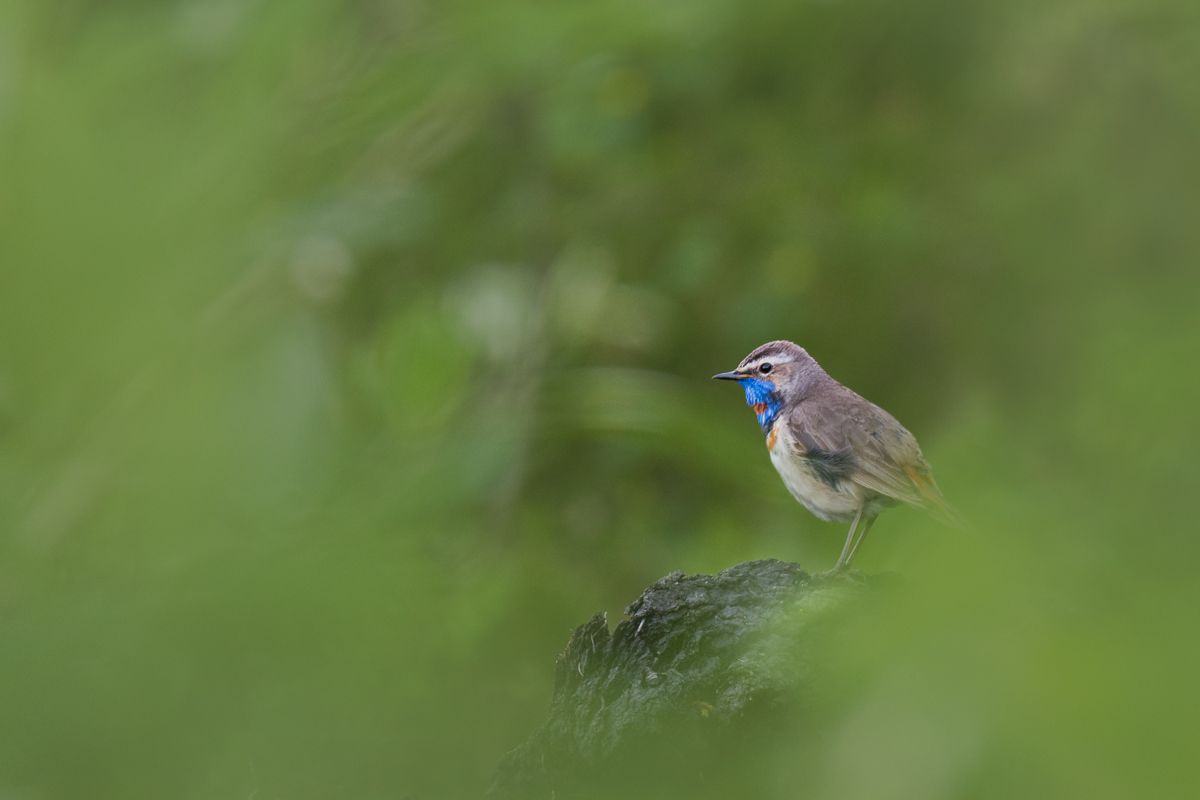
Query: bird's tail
x=935, y=501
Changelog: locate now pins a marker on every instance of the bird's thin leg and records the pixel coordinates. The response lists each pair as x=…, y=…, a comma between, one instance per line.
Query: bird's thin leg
x=866, y=528
x=846, y=548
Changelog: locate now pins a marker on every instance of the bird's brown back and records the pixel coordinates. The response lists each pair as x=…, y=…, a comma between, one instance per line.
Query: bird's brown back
x=838, y=427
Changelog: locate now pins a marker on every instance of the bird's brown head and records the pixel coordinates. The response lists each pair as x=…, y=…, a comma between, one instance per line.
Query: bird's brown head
x=774, y=375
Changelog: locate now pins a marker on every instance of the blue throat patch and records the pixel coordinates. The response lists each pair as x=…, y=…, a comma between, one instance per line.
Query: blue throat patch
x=765, y=399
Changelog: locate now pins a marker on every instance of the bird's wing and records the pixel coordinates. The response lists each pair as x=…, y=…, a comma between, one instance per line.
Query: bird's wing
x=878, y=452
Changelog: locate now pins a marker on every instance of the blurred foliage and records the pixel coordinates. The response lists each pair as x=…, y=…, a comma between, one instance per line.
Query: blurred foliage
x=352, y=353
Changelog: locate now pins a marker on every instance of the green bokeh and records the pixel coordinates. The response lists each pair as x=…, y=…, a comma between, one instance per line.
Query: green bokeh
x=353, y=353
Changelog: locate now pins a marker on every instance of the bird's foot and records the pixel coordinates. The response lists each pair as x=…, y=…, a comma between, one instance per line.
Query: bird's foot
x=841, y=572
x=839, y=567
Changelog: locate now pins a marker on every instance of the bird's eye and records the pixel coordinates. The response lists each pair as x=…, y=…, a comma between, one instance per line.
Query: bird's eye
x=765, y=368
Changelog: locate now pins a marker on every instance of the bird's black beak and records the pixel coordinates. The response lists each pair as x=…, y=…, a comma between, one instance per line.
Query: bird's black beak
x=728, y=376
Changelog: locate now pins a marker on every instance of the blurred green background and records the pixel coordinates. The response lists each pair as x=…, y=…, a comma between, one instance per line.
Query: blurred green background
x=352, y=353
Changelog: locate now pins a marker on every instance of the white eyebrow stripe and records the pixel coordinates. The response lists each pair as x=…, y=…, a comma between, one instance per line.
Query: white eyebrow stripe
x=776, y=359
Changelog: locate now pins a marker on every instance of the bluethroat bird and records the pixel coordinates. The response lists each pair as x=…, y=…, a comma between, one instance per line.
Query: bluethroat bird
x=843, y=457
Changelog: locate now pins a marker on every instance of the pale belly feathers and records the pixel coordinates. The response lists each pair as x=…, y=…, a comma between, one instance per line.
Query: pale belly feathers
x=831, y=503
